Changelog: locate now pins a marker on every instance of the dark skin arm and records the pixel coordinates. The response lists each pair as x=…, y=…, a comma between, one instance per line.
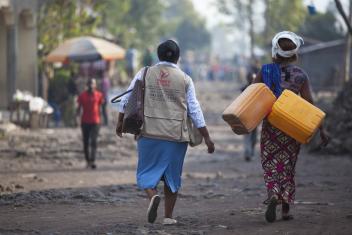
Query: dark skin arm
x=119, y=125
x=307, y=95
x=203, y=131
x=78, y=113
x=258, y=78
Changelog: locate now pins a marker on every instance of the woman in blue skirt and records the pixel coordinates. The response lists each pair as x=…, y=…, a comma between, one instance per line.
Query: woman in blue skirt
x=168, y=101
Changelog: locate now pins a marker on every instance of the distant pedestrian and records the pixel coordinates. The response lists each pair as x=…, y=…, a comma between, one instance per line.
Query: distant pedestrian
x=131, y=61
x=169, y=98
x=250, y=140
x=279, y=151
x=90, y=101
x=187, y=68
x=148, y=59
x=105, y=87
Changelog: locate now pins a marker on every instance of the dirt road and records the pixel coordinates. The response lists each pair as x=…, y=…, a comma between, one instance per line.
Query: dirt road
x=45, y=188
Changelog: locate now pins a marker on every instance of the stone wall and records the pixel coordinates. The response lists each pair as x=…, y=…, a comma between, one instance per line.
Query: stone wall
x=18, y=48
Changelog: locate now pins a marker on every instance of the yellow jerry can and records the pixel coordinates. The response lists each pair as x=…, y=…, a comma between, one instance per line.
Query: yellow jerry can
x=295, y=116
x=246, y=112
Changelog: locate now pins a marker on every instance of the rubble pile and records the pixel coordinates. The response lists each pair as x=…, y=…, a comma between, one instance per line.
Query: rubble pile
x=339, y=122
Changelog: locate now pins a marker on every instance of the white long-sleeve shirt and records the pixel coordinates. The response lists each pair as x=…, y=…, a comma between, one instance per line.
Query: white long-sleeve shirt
x=193, y=107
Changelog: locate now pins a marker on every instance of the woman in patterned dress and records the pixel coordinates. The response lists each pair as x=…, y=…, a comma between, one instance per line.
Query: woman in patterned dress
x=279, y=151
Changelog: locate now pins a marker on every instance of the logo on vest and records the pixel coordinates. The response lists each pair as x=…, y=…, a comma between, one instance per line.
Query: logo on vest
x=162, y=80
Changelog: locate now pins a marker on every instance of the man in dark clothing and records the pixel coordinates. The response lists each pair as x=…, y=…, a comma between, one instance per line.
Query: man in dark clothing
x=250, y=140
x=148, y=58
x=90, y=101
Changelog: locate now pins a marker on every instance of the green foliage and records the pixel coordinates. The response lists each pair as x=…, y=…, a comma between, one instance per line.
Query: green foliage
x=321, y=26
x=185, y=24
x=192, y=35
x=133, y=21
x=284, y=15
x=62, y=19
x=57, y=86
x=279, y=15
x=142, y=23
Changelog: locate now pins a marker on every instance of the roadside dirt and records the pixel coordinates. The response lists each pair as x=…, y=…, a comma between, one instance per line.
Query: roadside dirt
x=46, y=189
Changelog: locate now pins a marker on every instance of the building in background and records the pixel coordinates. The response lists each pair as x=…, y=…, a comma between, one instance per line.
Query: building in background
x=18, y=48
x=324, y=63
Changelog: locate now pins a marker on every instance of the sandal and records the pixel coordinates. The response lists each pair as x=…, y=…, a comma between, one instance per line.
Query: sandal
x=169, y=221
x=286, y=211
x=270, y=214
x=152, y=212
x=287, y=217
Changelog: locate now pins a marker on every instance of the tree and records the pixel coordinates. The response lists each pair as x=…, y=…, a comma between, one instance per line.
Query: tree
x=185, y=24
x=242, y=12
x=283, y=15
x=278, y=16
x=133, y=21
x=192, y=35
x=321, y=26
x=62, y=19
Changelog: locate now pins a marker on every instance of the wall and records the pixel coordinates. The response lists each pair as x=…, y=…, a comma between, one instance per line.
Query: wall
x=23, y=14
x=324, y=67
x=27, y=52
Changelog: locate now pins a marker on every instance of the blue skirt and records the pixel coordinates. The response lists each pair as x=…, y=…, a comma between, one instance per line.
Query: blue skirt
x=160, y=159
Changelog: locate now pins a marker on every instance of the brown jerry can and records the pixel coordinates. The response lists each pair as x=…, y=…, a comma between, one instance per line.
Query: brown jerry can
x=246, y=112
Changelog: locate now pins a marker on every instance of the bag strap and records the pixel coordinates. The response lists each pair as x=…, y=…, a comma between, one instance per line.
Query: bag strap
x=116, y=98
x=143, y=88
x=144, y=74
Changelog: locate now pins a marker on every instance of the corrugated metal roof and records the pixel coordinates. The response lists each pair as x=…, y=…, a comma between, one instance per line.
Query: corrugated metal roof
x=321, y=46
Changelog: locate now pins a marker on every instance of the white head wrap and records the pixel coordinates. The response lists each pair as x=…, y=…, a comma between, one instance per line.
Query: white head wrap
x=276, y=49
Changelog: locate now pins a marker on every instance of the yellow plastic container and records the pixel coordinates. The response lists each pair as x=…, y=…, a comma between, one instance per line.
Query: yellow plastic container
x=296, y=117
x=249, y=109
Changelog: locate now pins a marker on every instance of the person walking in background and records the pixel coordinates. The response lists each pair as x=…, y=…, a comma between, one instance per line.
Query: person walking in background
x=90, y=101
x=105, y=87
x=279, y=151
x=131, y=61
x=148, y=59
x=250, y=140
x=169, y=98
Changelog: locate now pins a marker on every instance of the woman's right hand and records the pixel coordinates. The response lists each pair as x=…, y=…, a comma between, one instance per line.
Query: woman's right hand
x=324, y=138
x=119, y=124
x=210, y=144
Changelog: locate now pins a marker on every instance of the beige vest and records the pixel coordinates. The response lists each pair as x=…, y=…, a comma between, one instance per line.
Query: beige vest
x=165, y=106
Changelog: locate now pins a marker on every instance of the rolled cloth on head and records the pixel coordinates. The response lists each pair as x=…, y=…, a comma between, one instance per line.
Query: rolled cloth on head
x=277, y=50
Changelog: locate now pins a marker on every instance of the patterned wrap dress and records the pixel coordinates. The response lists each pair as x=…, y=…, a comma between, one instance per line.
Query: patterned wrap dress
x=279, y=151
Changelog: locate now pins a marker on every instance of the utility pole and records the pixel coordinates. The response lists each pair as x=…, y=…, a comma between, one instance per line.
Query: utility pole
x=348, y=48
x=348, y=40
x=11, y=51
x=251, y=26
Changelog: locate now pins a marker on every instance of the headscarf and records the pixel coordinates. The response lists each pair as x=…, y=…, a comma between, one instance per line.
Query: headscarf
x=277, y=50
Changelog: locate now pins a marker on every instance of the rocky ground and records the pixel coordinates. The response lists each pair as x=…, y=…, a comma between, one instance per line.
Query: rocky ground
x=46, y=189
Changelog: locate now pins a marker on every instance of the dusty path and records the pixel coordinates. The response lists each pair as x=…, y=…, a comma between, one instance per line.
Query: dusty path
x=45, y=188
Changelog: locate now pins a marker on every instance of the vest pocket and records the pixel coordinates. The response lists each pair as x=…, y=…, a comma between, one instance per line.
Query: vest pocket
x=164, y=125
